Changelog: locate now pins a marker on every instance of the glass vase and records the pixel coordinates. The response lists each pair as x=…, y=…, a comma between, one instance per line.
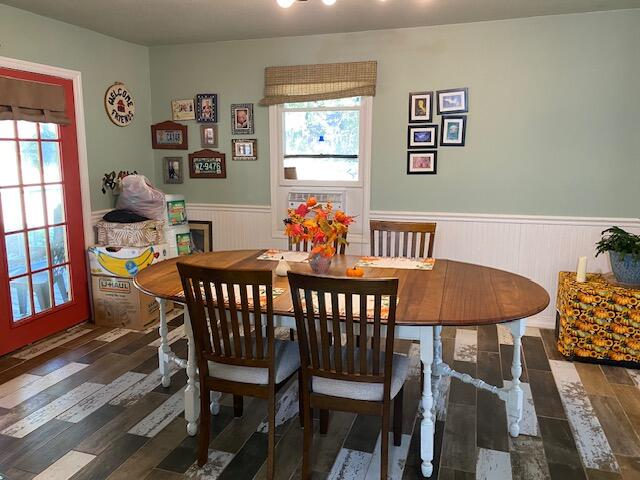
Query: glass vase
x=319, y=263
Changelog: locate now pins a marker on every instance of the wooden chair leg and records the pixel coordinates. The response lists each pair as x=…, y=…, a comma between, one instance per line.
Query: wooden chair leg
x=205, y=426
x=237, y=405
x=307, y=438
x=324, y=421
x=300, y=402
x=271, y=449
x=292, y=334
x=384, y=444
x=397, y=417
x=421, y=377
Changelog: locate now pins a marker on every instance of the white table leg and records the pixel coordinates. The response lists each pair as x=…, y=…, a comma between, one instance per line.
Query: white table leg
x=192, y=392
x=437, y=361
x=515, y=396
x=427, y=425
x=164, y=349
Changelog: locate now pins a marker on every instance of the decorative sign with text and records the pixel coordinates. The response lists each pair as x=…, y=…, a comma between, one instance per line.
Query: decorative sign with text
x=119, y=104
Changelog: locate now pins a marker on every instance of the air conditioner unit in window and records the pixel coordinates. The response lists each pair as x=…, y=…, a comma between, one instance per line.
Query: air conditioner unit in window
x=337, y=198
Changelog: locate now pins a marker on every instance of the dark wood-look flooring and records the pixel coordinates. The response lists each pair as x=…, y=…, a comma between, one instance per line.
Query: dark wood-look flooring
x=89, y=405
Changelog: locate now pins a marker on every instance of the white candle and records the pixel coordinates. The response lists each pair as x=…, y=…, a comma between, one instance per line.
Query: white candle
x=581, y=276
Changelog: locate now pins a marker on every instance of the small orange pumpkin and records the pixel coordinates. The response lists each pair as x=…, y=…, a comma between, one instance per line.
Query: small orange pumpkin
x=355, y=272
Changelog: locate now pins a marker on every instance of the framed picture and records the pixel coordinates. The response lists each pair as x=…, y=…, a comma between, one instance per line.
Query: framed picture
x=176, y=212
x=169, y=136
x=242, y=118
x=183, y=110
x=453, y=131
x=207, y=164
x=423, y=162
x=244, y=148
x=420, y=107
x=207, y=107
x=183, y=244
x=173, y=170
x=209, y=136
x=422, y=136
x=455, y=100
x=201, y=235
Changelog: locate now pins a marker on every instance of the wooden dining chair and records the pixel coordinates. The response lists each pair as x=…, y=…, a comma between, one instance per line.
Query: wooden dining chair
x=401, y=239
x=345, y=376
x=235, y=345
x=305, y=246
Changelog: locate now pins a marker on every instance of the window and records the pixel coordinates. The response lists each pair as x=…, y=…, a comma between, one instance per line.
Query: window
x=321, y=141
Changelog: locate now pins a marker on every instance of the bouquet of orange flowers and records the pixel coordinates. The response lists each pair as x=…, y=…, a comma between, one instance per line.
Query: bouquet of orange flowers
x=319, y=225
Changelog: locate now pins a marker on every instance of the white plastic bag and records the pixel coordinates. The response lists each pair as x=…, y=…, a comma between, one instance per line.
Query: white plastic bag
x=139, y=196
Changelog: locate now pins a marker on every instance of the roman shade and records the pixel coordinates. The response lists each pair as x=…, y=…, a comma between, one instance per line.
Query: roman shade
x=301, y=83
x=32, y=101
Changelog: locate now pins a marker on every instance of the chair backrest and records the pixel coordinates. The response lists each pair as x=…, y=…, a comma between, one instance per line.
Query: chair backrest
x=231, y=333
x=324, y=305
x=392, y=239
x=305, y=246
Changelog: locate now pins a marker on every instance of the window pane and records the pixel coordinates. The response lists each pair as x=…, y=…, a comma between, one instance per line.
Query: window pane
x=6, y=129
x=61, y=290
x=55, y=204
x=38, y=249
x=20, y=298
x=16, y=254
x=58, y=244
x=338, y=102
x=33, y=206
x=323, y=132
x=30, y=159
x=27, y=129
x=51, y=161
x=48, y=131
x=9, y=162
x=11, y=209
x=331, y=169
x=41, y=291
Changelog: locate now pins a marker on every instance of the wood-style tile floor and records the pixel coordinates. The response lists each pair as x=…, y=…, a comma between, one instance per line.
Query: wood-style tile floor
x=87, y=404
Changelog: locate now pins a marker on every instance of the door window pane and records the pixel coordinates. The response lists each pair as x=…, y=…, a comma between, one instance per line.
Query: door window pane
x=51, y=161
x=6, y=129
x=33, y=206
x=62, y=292
x=58, y=244
x=30, y=160
x=41, y=291
x=27, y=129
x=20, y=298
x=16, y=254
x=55, y=204
x=48, y=131
x=38, y=249
x=8, y=162
x=11, y=209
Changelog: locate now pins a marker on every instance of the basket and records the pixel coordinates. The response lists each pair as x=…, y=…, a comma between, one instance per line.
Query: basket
x=139, y=234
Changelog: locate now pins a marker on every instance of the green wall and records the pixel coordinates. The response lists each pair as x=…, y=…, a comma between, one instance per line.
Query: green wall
x=102, y=61
x=553, y=122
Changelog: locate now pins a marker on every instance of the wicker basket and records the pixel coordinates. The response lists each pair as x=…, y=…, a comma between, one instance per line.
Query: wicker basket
x=139, y=234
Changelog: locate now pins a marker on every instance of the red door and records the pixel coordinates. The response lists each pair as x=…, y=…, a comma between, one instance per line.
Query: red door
x=43, y=283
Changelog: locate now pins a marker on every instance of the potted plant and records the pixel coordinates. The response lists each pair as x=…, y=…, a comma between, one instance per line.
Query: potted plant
x=320, y=226
x=624, y=253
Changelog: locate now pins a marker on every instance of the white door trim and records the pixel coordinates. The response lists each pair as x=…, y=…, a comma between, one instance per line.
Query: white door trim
x=76, y=77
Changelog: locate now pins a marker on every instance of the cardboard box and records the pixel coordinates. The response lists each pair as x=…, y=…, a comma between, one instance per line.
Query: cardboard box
x=124, y=262
x=118, y=303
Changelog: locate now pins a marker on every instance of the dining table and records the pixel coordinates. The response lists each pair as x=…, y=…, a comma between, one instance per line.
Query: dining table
x=448, y=293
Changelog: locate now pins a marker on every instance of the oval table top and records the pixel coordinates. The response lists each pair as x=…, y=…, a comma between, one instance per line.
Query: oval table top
x=453, y=293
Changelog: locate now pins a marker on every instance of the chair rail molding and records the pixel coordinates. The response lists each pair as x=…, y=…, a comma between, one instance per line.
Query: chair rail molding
x=535, y=246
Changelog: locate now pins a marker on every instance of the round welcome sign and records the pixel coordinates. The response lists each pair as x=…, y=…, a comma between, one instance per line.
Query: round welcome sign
x=119, y=104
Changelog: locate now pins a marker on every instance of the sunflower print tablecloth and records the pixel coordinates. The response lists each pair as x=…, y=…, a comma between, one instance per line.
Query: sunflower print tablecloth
x=598, y=319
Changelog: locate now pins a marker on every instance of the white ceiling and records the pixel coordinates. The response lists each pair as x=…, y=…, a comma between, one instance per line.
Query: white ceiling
x=162, y=22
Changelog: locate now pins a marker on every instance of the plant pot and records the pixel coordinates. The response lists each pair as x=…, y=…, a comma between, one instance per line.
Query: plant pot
x=625, y=268
x=319, y=263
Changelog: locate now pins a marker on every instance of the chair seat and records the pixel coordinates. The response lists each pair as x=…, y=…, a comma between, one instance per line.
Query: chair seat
x=287, y=361
x=363, y=390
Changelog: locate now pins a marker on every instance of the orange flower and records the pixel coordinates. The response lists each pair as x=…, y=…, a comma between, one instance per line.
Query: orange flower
x=311, y=201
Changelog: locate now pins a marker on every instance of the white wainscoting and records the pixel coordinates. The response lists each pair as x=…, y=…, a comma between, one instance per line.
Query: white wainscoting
x=537, y=247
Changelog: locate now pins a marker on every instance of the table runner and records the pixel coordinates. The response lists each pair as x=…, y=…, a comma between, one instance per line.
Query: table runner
x=397, y=262
x=276, y=255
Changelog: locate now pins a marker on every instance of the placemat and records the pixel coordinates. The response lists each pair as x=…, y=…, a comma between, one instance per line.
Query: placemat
x=397, y=262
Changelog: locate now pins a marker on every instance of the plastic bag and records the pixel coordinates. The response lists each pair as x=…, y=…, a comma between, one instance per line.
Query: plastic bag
x=139, y=196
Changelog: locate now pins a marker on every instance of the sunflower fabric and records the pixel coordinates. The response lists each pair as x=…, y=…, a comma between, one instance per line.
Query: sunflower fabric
x=598, y=320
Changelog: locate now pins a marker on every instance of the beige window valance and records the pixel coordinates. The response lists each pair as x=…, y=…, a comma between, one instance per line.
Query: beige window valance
x=32, y=101
x=301, y=83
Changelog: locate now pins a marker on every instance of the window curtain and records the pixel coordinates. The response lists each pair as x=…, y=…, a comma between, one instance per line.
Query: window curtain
x=303, y=83
x=32, y=101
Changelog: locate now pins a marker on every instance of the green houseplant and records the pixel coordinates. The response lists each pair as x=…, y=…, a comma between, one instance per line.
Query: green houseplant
x=624, y=253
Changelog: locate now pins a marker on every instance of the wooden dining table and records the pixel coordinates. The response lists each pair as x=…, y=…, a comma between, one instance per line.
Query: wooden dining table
x=454, y=294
